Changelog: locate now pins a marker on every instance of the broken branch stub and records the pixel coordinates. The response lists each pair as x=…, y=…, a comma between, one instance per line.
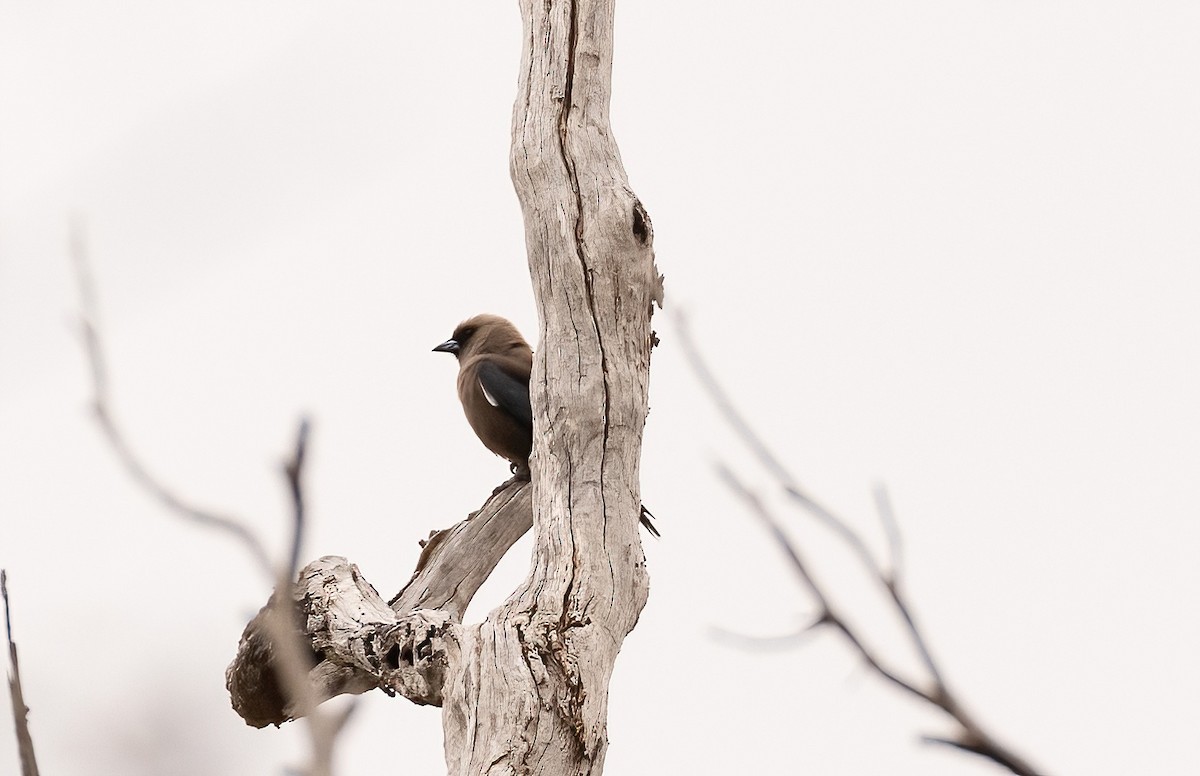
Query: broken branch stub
x=355, y=641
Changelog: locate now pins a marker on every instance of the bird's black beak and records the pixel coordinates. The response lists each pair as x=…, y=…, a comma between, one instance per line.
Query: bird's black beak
x=449, y=346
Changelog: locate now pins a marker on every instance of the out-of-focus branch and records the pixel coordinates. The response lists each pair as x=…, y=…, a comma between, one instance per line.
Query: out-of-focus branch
x=324, y=730
x=829, y=614
x=101, y=406
x=891, y=528
x=20, y=710
x=293, y=653
x=932, y=689
x=291, y=656
x=293, y=468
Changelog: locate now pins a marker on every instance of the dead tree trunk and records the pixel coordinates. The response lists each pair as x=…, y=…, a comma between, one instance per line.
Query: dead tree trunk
x=545, y=658
x=525, y=691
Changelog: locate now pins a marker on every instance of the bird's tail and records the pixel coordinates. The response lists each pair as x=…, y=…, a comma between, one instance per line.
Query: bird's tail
x=648, y=521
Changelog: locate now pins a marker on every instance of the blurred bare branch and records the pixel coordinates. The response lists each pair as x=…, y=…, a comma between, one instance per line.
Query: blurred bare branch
x=891, y=528
x=829, y=615
x=778, y=643
x=20, y=710
x=324, y=730
x=293, y=468
x=931, y=689
x=102, y=407
x=291, y=656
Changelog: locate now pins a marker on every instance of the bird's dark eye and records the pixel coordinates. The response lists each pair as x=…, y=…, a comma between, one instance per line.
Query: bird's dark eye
x=464, y=335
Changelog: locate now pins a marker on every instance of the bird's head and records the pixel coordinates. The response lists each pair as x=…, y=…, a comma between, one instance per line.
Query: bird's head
x=483, y=334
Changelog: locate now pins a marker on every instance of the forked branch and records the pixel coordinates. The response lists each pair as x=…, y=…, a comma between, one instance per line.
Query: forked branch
x=932, y=688
x=291, y=656
x=93, y=343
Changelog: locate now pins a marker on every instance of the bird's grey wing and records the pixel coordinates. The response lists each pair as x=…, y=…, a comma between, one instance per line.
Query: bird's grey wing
x=503, y=390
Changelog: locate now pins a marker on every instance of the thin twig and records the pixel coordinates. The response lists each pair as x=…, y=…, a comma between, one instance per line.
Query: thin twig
x=891, y=529
x=989, y=751
x=290, y=649
x=785, y=641
x=101, y=406
x=324, y=731
x=830, y=614
x=971, y=737
x=20, y=710
x=762, y=452
x=293, y=468
x=291, y=664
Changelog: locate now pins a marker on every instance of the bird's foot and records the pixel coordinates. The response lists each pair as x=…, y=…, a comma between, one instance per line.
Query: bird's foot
x=520, y=474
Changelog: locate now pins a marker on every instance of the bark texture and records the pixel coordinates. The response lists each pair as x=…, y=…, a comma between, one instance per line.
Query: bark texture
x=525, y=691
x=534, y=692
x=352, y=641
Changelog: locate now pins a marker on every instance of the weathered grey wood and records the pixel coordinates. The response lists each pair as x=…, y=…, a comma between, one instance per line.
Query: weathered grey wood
x=531, y=693
x=351, y=626
x=455, y=562
x=526, y=691
x=355, y=641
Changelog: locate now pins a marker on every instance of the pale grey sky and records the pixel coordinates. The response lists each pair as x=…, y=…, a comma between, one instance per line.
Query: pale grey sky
x=950, y=246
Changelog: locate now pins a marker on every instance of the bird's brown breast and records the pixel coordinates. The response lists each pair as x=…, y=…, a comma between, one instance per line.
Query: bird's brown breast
x=499, y=431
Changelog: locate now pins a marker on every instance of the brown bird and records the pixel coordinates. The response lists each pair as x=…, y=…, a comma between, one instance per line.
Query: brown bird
x=494, y=364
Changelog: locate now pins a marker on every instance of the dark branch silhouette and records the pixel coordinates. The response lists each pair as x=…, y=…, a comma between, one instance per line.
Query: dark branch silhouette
x=20, y=710
x=932, y=689
x=101, y=407
x=293, y=468
x=291, y=658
